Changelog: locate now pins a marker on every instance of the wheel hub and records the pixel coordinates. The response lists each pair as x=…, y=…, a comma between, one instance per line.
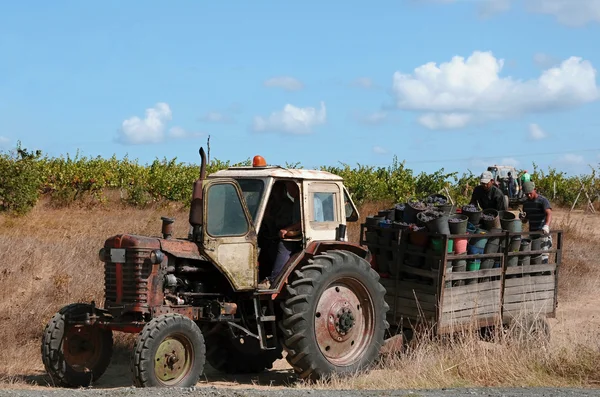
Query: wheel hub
x=345, y=321
x=172, y=360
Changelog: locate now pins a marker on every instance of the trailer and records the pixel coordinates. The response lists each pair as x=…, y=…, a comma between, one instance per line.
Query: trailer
x=430, y=286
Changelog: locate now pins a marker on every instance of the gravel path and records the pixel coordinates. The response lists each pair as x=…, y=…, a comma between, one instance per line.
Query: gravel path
x=217, y=392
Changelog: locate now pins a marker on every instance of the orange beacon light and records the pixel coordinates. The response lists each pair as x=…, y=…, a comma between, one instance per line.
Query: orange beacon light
x=259, y=161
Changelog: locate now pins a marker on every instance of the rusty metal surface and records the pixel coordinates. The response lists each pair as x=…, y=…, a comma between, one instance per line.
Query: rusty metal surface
x=182, y=249
x=344, y=321
x=193, y=313
x=275, y=172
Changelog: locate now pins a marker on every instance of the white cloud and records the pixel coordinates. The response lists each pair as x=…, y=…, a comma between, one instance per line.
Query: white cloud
x=292, y=120
x=363, y=82
x=536, y=132
x=570, y=158
x=438, y=121
x=180, y=133
x=379, y=150
x=489, y=8
x=474, y=89
x=285, y=82
x=568, y=12
x=148, y=130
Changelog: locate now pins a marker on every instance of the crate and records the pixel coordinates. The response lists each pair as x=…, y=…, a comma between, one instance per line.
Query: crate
x=423, y=291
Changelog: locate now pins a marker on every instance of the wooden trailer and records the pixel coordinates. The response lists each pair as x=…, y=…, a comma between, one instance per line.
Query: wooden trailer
x=429, y=285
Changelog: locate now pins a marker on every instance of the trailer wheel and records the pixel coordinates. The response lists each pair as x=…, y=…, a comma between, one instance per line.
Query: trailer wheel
x=334, y=316
x=169, y=351
x=238, y=355
x=530, y=329
x=75, y=355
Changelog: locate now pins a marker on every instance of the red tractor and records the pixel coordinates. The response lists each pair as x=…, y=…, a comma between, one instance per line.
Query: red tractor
x=199, y=299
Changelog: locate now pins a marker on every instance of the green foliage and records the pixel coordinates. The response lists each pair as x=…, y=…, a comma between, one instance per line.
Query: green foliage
x=20, y=180
x=25, y=175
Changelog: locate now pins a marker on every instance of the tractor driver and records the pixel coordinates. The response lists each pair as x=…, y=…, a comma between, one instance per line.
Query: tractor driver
x=286, y=220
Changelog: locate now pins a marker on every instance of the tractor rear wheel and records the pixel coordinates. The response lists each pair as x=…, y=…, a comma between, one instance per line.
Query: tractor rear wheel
x=241, y=355
x=169, y=351
x=334, y=316
x=75, y=355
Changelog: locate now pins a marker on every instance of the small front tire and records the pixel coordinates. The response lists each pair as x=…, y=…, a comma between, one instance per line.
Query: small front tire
x=169, y=352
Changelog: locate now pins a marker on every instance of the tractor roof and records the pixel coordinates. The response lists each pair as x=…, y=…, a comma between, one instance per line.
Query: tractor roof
x=275, y=172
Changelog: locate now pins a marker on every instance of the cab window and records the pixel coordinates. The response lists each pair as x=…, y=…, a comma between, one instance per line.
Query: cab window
x=225, y=214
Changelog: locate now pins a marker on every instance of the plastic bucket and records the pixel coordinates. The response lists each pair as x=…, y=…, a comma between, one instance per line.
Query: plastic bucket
x=525, y=245
x=436, y=245
x=418, y=238
x=515, y=244
x=411, y=211
x=487, y=264
x=474, y=217
x=473, y=265
x=492, y=246
x=460, y=245
x=479, y=239
x=524, y=260
x=512, y=261
x=536, y=243
x=536, y=260
x=457, y=223
x=437, y=225
x=474, y=250
x=490, y=219
x=510, y=222
x=459, y=265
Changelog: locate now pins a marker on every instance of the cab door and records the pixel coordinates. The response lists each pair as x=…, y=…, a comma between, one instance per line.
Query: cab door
x=228, y=235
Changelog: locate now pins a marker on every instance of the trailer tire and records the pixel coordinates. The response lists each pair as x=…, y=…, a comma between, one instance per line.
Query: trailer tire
x=75, y=355
x=334, y=316
x=173, y=342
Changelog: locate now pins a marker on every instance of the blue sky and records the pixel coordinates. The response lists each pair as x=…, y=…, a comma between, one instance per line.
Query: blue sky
x=439, y=83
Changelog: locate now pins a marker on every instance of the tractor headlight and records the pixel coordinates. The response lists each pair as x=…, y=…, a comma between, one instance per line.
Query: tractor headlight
x=102, y=254
x=157, y=256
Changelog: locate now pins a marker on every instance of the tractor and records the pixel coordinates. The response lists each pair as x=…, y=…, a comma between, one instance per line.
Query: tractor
x=199, y=299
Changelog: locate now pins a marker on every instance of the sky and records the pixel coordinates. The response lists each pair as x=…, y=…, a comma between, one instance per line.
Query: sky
x=453, y=84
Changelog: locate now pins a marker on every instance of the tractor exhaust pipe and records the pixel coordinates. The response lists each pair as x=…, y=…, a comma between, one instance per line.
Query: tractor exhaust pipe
x=196, y=205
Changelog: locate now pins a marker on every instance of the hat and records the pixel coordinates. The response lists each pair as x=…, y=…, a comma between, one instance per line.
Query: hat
x=486, y=176
x=528, y=187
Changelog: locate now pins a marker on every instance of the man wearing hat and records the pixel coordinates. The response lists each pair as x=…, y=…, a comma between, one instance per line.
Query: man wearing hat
x=486, y=195
x=537, y=210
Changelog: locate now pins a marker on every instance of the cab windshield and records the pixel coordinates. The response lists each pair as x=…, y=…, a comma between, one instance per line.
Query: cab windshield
x=252, y=190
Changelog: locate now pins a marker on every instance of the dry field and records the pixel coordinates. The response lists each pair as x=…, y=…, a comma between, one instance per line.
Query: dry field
x=51, y=260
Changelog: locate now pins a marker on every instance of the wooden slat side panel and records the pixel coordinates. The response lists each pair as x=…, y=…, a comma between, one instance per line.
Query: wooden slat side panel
x=463, y=301
x=538, y=307
x=528, y=297
x=493, y=308
x=527, y=289
x=473, y=288
x=533, y=280
x=447, y=323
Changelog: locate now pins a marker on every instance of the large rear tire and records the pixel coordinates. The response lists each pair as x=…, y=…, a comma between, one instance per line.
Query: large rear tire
x=75, y=355
x=238, y=355
x=169, y=352
x=334, y=316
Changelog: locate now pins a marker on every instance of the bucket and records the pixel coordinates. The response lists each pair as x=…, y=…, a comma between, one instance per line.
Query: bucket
x=399, y=212
x=524, y=260
x=435, y=221
x=492, y=246
x=490, y=219
x=478, y=238
x=459, y=265
x=510, y=222
x=474, y=216
x=536, y=260
x=512, y=261
x=374, y=220
x=473, y=265
x=525, y=245
x=536, y=243
x=487, y=264
x=458, y=223
x=460, y=245
x=515, y=244
x=474, y=250
x=436, y=245
x=419, y=238
x=371, y=237
x=411, y=209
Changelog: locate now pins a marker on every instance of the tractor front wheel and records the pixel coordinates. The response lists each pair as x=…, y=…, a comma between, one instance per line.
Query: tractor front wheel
x=73, y=354
x=334, y=316
x=169, y=352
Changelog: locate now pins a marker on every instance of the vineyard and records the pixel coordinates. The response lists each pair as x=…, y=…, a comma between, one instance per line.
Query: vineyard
x=26, y=176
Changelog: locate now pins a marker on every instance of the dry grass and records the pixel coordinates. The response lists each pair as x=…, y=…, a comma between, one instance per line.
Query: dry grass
x=51, y=260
